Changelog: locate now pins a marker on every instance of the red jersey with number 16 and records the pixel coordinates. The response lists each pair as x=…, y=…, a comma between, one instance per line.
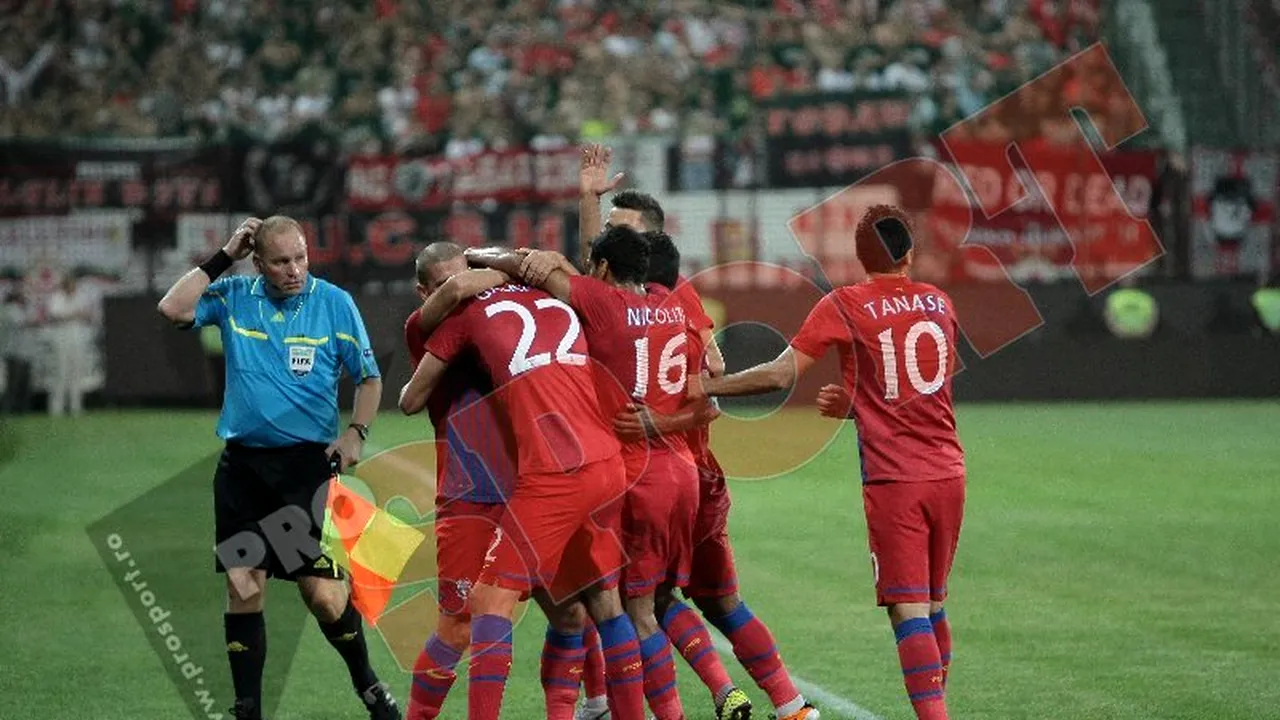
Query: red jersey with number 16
x=643, y=346
x=533, y=347
x=897, y=344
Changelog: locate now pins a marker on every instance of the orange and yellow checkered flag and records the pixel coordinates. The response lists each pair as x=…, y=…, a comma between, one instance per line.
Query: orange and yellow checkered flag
x=370, y=544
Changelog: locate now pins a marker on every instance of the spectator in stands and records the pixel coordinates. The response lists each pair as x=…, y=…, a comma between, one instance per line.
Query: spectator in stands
x=459, y=75
x=15, y=354
x=70, y=331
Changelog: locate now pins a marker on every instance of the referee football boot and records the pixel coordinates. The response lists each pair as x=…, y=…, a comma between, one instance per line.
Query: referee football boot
x=246, y=710
x=735, y=706
x=808, y=712
x=380, y=703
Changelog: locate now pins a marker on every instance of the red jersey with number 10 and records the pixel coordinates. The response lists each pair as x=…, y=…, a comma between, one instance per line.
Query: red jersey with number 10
x=533, y=347
x=643, y=347
x=897, y=344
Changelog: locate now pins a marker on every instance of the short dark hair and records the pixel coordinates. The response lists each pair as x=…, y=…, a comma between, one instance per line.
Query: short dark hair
x=434, y=254
x=626, y=251
x=883, y=238
x=644, y=203
x=664, y=259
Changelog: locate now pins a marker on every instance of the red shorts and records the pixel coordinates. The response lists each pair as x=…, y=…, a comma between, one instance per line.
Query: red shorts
x=463, y=532
x=713, y=573
x=657, y=521
x=913, y=528
x=560, y=532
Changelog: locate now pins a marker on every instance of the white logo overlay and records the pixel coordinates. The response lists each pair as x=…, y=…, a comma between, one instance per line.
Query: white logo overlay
x=302, y=359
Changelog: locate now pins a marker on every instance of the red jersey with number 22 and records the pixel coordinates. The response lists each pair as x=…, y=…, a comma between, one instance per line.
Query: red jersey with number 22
x=643, y=347
x=897, y=344
x=533, y=347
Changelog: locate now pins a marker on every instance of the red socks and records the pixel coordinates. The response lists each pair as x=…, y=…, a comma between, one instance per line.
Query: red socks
x=562, y=659
x=432, y=677
x=490, y=666
x=660, y=678
x=691, y=639
x=624, y=675
x=593, y=668
x=921, y=668
x=942, y=631
x=753, y=645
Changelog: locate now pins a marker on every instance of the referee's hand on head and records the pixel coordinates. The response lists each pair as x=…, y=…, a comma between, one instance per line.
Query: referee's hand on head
x=241, y=242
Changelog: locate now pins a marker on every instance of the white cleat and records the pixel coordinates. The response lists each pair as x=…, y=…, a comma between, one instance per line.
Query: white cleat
x=589, y=711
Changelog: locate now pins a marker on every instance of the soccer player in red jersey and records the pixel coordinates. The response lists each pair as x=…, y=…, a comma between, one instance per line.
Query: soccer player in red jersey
x=645, y=353
x=475, y=469
x=896, y=339
x=713, y=584
x=555, y=532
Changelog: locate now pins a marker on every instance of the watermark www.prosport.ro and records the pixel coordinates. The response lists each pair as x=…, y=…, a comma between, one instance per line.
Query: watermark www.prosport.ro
x=132, y=576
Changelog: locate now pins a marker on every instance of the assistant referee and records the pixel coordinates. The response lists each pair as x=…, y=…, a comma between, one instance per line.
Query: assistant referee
x=286, y=337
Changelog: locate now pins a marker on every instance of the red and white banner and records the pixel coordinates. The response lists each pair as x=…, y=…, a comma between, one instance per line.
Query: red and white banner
x=376, y=184
x=1028, y=240
x=1233, y=199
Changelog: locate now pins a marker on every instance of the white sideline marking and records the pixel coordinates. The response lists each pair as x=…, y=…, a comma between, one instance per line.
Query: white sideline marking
x=827, y=702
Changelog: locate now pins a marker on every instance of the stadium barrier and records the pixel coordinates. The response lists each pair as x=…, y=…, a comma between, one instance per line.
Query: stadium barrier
x=1208, y=344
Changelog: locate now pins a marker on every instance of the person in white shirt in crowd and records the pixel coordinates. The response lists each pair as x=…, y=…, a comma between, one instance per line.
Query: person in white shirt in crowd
x=70, y=331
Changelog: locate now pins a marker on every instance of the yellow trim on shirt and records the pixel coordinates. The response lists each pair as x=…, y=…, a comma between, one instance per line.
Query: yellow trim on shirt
x=301, y=340
x=348, y=338
x=247, y=333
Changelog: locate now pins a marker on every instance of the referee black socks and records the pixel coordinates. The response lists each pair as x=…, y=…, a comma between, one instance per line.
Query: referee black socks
x=346, y=635
x=246, y=635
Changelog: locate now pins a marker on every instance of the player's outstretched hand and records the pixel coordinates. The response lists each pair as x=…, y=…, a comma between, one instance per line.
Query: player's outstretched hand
x=834, y=402
x=538, y=265
x=241, y=242
x=346, y=449
x=593, y=172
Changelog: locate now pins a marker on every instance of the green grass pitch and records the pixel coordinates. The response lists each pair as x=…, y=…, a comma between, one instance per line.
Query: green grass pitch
x=1117, y=561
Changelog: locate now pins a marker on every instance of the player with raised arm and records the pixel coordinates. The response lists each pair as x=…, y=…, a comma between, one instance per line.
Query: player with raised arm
x=475, y=469
x=713, y=583
x=896, y=339
x=556, y=532
x=645, y=353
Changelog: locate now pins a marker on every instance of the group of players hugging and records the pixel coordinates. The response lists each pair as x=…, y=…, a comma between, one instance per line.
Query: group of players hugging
x=571, y=413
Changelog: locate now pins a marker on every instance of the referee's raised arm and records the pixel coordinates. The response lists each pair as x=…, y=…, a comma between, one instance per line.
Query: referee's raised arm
x=288, y=337
x=179, y=304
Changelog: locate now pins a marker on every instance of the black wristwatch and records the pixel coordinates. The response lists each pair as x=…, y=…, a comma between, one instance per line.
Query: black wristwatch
x=361, y=430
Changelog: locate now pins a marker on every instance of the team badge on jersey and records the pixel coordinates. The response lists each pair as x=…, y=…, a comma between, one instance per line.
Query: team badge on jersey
x=302, y=358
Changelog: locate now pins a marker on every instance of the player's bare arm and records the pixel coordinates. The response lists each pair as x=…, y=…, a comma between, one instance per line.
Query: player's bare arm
x=350, y=444
x=414, y=394
x=179, y=304
x=714, y=359
x=539, y=264
x=448, y=296
x=636, y=422
x=556, y=281
x=593, y=183
x=777, y=374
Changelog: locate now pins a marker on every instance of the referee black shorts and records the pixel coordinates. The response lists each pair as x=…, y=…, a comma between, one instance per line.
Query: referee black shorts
x=269, y=510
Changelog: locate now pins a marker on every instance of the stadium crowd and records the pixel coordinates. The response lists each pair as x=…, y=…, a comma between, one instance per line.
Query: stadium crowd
x=455, y=76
